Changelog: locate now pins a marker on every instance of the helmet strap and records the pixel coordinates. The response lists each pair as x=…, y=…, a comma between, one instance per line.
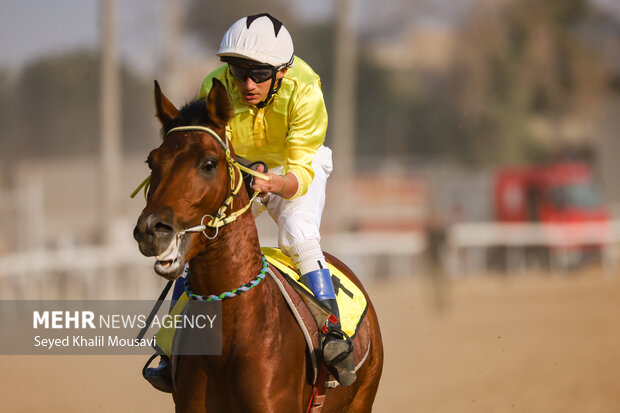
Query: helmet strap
x=273, y=89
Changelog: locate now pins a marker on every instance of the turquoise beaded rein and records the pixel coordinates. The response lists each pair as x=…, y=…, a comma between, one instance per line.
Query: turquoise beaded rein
x=229, y=294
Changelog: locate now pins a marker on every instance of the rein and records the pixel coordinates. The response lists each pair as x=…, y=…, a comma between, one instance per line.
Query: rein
x=220, y=219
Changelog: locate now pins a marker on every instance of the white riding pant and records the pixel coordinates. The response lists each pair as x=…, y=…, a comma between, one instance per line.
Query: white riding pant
x=299, y=219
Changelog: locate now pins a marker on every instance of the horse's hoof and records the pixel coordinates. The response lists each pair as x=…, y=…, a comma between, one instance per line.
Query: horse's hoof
x=160, y=377
x=338, y=357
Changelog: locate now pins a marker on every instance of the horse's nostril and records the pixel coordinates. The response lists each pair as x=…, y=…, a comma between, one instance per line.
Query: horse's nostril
x=154, y=232
x=158, y=225
x=163, y=228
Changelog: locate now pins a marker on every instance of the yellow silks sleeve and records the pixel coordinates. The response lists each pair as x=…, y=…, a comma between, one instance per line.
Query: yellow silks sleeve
x=306, y=133
x=288, y=131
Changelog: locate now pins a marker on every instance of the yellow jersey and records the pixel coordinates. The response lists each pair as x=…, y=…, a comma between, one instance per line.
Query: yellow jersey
x=286, y=132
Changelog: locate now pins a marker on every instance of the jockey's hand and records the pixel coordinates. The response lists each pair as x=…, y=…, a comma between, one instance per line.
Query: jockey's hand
x=262, y=186
x=277, y=184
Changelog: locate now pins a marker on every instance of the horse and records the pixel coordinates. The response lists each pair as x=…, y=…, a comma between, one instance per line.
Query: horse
x=263, y=366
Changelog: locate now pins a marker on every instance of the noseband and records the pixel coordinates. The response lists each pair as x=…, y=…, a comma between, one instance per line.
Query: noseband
x=220, y=219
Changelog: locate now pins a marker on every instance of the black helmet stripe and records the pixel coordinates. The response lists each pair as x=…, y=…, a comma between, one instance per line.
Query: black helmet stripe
x=277, y=24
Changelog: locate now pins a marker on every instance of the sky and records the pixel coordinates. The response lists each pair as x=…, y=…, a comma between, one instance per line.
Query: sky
x=30, y=28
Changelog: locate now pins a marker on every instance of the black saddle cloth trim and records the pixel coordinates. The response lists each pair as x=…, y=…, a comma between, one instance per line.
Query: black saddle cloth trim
x=300, y=290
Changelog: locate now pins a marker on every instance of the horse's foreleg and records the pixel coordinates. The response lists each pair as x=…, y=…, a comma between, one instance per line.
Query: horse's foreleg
x=276, y=390
x=190, y=394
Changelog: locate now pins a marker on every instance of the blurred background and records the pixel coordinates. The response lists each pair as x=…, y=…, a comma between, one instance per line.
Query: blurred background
x=474, y=189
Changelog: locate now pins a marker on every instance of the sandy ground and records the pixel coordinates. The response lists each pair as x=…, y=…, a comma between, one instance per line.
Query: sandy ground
x=523, y=344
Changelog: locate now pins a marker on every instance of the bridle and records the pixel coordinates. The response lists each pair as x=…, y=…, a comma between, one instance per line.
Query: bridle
x=234, y=168
x=220, y=219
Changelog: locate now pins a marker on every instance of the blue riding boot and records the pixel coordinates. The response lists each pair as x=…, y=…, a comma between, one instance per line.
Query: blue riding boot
x=337, y=346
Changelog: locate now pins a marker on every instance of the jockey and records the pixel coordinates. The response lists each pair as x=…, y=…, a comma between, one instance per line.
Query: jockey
x=280, y=118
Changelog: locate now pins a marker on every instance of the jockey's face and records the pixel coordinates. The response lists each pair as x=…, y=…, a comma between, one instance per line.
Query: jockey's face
x=253, y=93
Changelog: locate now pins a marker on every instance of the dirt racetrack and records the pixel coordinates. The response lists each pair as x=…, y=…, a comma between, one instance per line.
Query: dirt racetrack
x=523, y=344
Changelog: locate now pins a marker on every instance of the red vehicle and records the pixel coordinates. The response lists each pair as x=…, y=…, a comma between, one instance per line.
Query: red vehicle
x=561, y=193
x=558, y=193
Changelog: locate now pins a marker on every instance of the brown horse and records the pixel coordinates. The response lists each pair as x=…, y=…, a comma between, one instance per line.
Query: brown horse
x=263, y=366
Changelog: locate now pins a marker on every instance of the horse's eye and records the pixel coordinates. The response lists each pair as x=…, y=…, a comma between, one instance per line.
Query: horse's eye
x=150, y=160
x=208, y=166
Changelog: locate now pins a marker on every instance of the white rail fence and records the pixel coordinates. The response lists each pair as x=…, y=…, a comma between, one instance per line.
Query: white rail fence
x=468, y=245
x=120, y=271
x=78, y=272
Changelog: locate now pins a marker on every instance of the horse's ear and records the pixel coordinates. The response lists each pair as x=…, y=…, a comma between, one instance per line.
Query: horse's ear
x=218, y=104
x=166, y=111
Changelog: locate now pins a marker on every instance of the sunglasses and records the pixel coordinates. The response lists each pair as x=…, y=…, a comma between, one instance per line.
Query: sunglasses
x=257, y=74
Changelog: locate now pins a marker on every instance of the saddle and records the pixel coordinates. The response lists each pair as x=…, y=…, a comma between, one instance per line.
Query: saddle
x=311, y=315
x=307, y=311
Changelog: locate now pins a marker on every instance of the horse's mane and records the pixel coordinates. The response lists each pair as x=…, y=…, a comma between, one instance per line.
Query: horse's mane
x=193, y=113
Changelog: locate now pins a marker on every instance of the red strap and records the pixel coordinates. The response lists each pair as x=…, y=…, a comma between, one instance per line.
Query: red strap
x=311, y=399
x=318, y=391
x=332, y=319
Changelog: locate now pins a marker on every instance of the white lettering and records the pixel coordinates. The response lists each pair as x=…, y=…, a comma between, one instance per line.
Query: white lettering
x=166, y=321
x=142, y=321
x=75, y=319
x=116, y=341
x=51, y=342
x=183, y=321
x=87, y=319
x=57, y=319
x=63, y=319
x=38, y=319
x=129, y=321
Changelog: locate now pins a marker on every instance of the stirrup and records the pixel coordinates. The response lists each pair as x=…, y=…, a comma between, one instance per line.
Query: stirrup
x=160, y=377
x=337, y=349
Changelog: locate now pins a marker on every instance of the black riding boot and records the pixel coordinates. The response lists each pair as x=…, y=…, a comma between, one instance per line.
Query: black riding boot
x=338, y=348
x=160, y=377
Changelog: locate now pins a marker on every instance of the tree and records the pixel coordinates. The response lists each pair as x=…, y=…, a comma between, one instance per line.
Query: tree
x=54, y=109
x=523, y=72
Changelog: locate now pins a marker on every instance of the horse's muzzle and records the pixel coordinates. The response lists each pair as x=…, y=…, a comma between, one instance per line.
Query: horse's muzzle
x=154, y=232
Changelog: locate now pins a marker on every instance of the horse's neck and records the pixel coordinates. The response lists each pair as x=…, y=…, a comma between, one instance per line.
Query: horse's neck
x=234, y=258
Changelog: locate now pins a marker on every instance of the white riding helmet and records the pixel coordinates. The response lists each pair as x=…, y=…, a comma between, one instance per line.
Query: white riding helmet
x=261, y=38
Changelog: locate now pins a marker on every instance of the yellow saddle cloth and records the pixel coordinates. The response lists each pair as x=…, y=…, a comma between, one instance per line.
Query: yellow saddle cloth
x=351, y=300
